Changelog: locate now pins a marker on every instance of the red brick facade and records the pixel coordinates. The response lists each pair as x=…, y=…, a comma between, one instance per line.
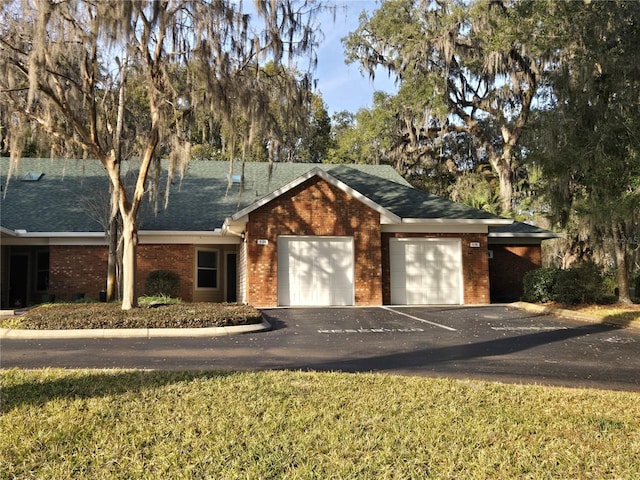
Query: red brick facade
x=176, y=258
x=77, y=269
x=82, y=269
x=508, y=267
x=475, y=268
x=315, y=207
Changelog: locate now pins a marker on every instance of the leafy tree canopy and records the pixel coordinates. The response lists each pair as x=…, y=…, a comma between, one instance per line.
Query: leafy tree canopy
x=463, y=67
x=117, y=80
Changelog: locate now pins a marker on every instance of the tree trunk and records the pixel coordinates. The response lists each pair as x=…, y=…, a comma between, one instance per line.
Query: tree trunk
x=502, y=166
x=130, y=238
x=622, y=267
x=112, y=262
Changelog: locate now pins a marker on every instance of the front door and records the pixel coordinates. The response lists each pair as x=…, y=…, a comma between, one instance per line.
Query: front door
x=18, y=280
x=232, y=278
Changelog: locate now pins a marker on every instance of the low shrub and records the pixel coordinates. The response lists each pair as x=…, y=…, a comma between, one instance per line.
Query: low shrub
x=538, y=285
x=162, y=283
x=580, y=284
x=583, y=283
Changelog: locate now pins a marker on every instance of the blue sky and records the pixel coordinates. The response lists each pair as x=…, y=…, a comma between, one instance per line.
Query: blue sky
x=342, y=86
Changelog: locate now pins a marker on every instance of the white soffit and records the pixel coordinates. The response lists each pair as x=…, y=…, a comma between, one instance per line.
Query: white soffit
x=98, y=238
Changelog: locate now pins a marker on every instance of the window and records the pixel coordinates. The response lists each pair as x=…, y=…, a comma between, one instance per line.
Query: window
x=207, y=269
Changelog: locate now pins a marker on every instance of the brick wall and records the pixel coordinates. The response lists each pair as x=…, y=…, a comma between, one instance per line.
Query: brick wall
x=83, y=269
x=77, y=269
x=475, y=268
x=177, y=258
x=508, y=267
x=313, y=208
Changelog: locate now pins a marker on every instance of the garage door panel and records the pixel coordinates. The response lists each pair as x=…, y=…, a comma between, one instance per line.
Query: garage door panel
x=425, y=271
x=315, y=271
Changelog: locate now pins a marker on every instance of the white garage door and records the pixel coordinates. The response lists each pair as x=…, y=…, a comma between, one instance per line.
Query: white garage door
x=315, y=271
x=426, y=271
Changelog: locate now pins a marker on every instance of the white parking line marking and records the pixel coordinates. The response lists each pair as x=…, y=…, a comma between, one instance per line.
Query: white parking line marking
x=526, y=329
x=372, y=330
x=451, y=329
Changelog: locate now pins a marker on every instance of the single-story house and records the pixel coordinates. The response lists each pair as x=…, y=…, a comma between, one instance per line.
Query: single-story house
x=287, y=235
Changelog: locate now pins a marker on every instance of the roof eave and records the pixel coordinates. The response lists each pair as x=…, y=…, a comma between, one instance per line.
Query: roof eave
x=542, y=235
x=26, y=234
x=7, y=231
x=459, y=221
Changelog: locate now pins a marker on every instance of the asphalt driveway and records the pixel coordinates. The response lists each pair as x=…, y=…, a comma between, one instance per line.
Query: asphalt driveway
x=487, y=342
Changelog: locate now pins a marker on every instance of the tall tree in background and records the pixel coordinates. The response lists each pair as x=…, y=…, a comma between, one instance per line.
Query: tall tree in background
x=449, y=167
x=65, y=67
x=463, y=67
x=588, y=140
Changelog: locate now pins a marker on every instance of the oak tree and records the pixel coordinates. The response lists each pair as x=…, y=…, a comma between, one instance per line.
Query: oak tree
x=66, y=66
x=462, y=67
x=588, y=140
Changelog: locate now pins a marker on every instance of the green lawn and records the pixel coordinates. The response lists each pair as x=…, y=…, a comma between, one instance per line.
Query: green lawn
x=627, y=316
x=130, y=424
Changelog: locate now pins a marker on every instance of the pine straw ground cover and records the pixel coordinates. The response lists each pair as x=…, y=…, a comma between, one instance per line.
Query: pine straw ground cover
x=110, y=315
x=285, y=425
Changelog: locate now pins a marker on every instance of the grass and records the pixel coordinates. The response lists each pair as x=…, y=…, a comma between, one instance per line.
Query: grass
x=629, y=314
x=618, y=313
x=109, y=315
x=127, y=424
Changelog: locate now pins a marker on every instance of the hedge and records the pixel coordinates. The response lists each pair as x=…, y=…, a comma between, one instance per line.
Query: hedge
x=162, y=282
x=583, y=283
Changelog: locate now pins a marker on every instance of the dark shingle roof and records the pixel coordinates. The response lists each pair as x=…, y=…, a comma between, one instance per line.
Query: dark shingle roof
x=61, y=201
x=519, y=229
x=404, y=200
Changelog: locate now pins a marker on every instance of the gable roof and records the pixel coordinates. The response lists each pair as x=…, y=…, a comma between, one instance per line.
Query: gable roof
x=68, y=196
x=326, y=177
x=409, y=203
x=396, y=201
